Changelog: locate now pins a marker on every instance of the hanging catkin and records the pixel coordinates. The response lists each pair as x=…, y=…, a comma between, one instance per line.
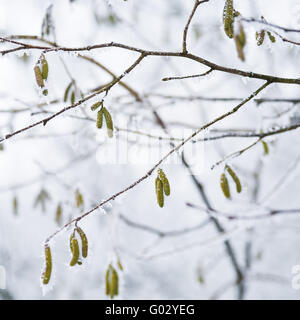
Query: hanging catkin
x=271, y=37
x=111, y=282
x=235, y=179
x=224, y=185
x=165, y=182
x=48, y=265
x=107, y=280
x=79, y=199
x=114, y=283
x=72, y=97
x=96, y=105
x=66, y=93
x=159, y=192
x=260, y=37
x=15, y=205
x=265, y=147
x=99, y=121
x=109, y=122
x=228, y=18
x=240, y=42
x=84, y=242
x=38, y=76
x=74, y=249
x=45, y=67
x=58, y=214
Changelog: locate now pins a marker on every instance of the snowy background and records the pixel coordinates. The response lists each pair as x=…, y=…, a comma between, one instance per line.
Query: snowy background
x=69, y=153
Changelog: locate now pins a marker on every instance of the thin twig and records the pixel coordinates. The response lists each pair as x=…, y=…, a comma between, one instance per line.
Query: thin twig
x=188, y=77
x=264, y=22
x=185, y=31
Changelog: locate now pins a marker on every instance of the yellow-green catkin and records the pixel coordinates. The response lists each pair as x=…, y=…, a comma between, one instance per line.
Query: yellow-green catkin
x=48, y=265
x=45, y=67
x=99, y=121
x=75, y=250
x=228, y=18
x=107, y=280
x=66, y=93
x=165, y=182
x=41, y=199
x=38, y=76
x=84, y=242
x=72, y=236
x=72, y=97
x=271, y=37
x=224, y=185
x=159, y=192
x=120, y=265
x=240, y=42
x=260, y=37
x=234, y=178
x=109, y=122
x=111, y=282
x=58, y=214
x=79, y=199
x=15, y=205
x=266, y=147
x=114, y=283
x=96, y=105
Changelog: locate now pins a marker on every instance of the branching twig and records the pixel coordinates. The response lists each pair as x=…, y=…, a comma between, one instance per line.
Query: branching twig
x=236, y=154
x=104, y=89
x=134, y=184
x=185, y=31
x=252, y=75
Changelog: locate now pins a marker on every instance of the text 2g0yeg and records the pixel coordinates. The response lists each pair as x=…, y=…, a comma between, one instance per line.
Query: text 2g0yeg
x=149, y=150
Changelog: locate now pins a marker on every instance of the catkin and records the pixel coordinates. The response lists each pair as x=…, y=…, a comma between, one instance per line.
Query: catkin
x=84, y=242
x=15, y=205
x=72, y=97
x=159, y=192
x=228, y=18
x=240, y=42
x=66, y=94
x=75, y=251
x=120, y=265
x=260, y=37
x=38, y=76
x=99, y=121
x=109, y=122
x=58, y=214
x=266, y=147
x=271, y=37
x=79, y=199
x=111, y=282
x=48, y=267
x=235, y=179
x=224, y=185
x=165, y=182
x=114, y=283
x=45, y=67
x=107, y=280
x=96, y=105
